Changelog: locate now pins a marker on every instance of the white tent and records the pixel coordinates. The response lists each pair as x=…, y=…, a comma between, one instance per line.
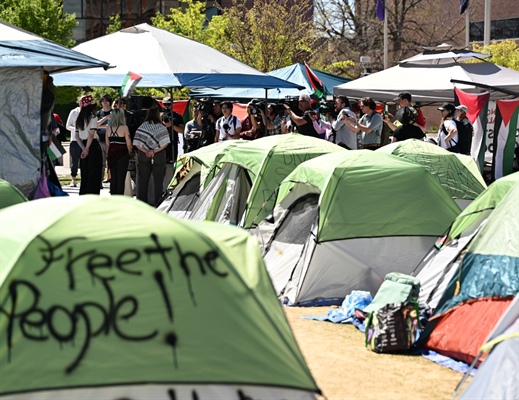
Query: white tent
x=432, y=76
x=164, y=59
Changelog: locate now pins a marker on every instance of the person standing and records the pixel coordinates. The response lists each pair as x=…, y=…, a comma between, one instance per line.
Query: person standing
x=344, y=136
x=74, y=148
x=193, y=131
x=304, y=123
x=91, y=158
x=407, y=129
x=119, y=149
x=465, y=131
x=369, y=126
x=448, y=131
x=151, y=140
x=175, y=124
x=272, y=120
x=404, y=100
x=103, y=116
x=228, y=126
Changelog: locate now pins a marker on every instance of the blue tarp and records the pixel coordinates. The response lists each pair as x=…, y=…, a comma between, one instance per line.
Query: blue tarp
x=295, y=73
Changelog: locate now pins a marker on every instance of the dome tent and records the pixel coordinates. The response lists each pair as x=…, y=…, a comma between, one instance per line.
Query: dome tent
x=192, y=171
x=482, y=287
x=243, y=191
x=344, y=220
x=458, y=174
x=441, y=263
x=156, y=308
x=10, y=195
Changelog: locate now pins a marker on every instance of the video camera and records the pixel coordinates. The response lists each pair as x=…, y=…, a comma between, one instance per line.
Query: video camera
x=292, y=102
x=327, y=106
x=205, y=106
x=255, y=106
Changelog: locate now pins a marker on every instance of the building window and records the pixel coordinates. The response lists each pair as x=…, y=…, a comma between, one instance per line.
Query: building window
x=499, y=30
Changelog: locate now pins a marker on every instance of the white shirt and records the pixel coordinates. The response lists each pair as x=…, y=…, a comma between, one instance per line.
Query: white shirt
x=71, y=123
x=442, y=135
x=84, y=133
x=233, y=122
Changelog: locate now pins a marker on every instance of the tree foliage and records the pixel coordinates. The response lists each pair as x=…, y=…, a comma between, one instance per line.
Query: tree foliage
x=269, y=35
x=505, y=53
x=44, y=18
x=351, y=29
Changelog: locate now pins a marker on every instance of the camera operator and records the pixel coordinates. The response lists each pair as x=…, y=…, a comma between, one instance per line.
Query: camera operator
x=228, y=127
x=304, y=123
x=250, y=126
x=272, y=120
x=175, y=124
x=193, y=131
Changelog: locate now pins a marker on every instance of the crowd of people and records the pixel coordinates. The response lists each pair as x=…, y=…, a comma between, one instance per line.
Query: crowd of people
x=112, y=137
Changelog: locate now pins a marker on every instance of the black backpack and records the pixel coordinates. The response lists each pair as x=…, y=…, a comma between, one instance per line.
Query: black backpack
x=465, y=131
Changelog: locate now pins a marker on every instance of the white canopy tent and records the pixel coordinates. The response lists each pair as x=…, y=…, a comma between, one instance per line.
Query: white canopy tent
x=432, y=75
x=164, y=59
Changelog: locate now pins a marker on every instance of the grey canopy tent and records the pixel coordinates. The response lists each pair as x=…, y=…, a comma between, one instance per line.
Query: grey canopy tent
x=24, y=57
x=431, y=77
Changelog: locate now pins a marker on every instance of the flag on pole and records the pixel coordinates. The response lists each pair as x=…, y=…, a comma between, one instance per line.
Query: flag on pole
x=464, y=4
x=130, y=81
x=317, y=85
x=505, y=130
x=381, y=9
x=477, y=115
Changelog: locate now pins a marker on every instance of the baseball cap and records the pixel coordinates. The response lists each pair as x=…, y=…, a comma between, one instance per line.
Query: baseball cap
x=447, y=106
x=86, y=101
x=463, y=108
x=402, y=96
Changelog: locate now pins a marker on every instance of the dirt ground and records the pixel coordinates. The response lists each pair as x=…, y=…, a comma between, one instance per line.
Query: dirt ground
x=344, y=369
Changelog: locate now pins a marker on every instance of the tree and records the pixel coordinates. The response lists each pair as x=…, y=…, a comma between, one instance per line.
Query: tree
x=270, y=35
x=44, y=18
x=505, y=53
x=353, y=30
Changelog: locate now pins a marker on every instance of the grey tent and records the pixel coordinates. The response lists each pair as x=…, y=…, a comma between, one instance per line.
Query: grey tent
x=23, y=59
x=429, y=81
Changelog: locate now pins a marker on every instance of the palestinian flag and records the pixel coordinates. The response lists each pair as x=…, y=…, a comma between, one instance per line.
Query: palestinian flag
x=477, y=115
x=317, y=85
x=130, y=81
x=505, y=131
x=55, y=150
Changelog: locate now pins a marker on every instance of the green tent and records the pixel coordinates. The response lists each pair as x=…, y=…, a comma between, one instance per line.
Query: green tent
x=439, y=266
x=107, y=298
x=10, y=195
x=344, y=220
x=192, y=171
x=458, y=174
x=244, y=190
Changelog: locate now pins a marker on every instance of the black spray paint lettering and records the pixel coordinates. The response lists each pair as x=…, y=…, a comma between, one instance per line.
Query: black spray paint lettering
x=102, y=267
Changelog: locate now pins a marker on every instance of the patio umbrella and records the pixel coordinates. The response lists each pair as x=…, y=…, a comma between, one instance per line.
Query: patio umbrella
x=104, y=297
x=164, y=59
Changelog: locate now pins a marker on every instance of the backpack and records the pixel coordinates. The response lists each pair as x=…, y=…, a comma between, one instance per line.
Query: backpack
x=393, y=328
x=385, y=135
x=465, y=131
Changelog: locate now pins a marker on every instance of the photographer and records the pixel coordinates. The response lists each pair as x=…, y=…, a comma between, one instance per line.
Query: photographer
x=304, y=124
x=250, y=126
x=193, y=131
x=228, y=127
x=272, y=120
x=323, y=128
